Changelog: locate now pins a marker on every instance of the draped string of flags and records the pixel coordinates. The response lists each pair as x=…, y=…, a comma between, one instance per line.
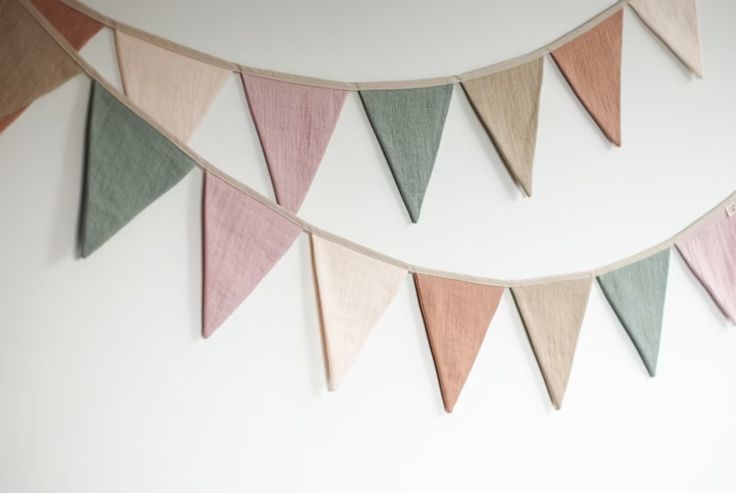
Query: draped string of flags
x=136, y=152
x=295, y=116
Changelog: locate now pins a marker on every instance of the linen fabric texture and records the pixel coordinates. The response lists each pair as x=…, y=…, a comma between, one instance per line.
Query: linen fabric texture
x=242, y=240
x=75, y=27
x=294, y=124
x=456, y=317
x=408, y=124
x=507, y=103
x=591, y=63
x=710, y=252
x=675, y=22
x=175, y=90
x=552, y=314
x=353, y=292
x=129, y=164
x=636, y=293
x=31, y=62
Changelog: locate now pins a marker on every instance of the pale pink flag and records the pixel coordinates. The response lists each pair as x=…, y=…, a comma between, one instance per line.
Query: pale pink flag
x=353, y=292
x=176, y=90
x=242, y=240
x=710, y=252
x=294, y=123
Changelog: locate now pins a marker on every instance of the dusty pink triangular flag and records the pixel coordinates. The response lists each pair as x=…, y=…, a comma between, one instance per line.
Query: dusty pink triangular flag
x=675, y=22
x=591, y=63
x=294, y=123
x=353, y=292
x=710, y=252
x=456, y=316
x=242, y=240
x=553, y=314
x=177, y=91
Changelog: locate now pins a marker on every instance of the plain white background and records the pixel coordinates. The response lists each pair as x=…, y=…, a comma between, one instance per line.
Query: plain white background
x=105, y=384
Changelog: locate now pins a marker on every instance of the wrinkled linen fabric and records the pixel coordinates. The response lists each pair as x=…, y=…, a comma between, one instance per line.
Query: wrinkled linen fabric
x=456, y=317
x=353, y=292
x=552, y=314
x=507, y=103
x=242, y=240
x=591, y=63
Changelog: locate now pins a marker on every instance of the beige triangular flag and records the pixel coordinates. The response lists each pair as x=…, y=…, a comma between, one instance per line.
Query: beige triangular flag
x=177, y=91
x=675, y=22
x=31, y=62
x=552, y=314
x=353, y=292
x=508, y=105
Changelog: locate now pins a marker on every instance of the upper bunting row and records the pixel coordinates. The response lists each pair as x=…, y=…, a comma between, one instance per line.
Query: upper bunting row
x=295, y=121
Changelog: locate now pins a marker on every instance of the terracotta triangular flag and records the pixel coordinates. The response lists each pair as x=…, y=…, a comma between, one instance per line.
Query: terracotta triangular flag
x=591, y=63
x=353, y=292
x=294, y=123
x=710, y=252
x=129, y=165
x=408, y=124
x=31, y=62
x=508, y=105
x=636, y=293
x=74, y=26
x=553, y=314
x=177, y=91
x=242, y=240
x=456, y=316
x=675, y=22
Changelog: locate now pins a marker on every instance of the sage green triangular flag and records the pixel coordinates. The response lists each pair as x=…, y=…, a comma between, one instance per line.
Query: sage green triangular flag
x=408, y=124
x=636, y=293
x=129, y=165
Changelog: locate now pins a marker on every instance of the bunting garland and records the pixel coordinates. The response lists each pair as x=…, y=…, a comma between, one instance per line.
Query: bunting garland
x=133, y=157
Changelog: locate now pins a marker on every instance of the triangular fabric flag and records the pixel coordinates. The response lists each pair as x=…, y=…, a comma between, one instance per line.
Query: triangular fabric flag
x=353, y=291
x=294, y=124
x=675, y=22
x=31, y=62
x=636, y=293
x=242, y=240
x=176, y=90
x=591, y=63
x=507, y=104
x=74, y=26
x=553, y=314
x=456, y=316
x=710, y=252
x=408, y=124
x=129, y=165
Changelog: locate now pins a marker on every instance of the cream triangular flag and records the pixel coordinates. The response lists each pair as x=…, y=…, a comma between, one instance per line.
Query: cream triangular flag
x=675, y=22
x=353, y=292
x=507, y=104
x=553, y=314
x=177, y=91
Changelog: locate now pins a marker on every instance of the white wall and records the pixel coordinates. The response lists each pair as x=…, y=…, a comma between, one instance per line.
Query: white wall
x=105, y=384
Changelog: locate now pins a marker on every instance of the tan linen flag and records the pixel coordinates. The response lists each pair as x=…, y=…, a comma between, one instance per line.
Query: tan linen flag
x=591, y=63
x=675, y=22
x=507, y=103
x=177, y=91
x=31, y=63
x=456, y=316
x=353, y=291
x=553, y=314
